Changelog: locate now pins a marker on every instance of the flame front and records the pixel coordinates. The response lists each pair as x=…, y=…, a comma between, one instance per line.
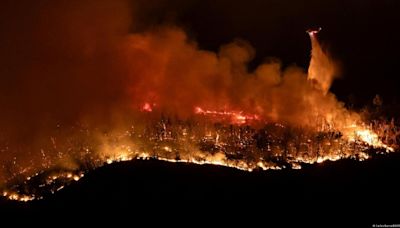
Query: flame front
x=369, y=137
x=235, y=117
x=232, y=144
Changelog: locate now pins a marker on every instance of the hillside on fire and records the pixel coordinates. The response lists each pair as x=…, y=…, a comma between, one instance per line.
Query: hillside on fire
x=156, y=188
x=132, y=104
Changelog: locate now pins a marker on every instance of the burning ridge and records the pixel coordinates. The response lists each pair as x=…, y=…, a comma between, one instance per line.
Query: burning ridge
x=274, y=146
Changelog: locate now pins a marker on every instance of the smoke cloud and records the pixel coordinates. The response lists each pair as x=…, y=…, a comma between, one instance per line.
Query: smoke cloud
x=168, y=70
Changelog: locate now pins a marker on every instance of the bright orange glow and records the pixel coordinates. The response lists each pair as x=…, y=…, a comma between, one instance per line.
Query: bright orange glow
x=236, y=117
x=147, y=107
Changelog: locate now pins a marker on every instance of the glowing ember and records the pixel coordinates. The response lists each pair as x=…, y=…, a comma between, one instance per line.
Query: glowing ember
x=54, y=183
x=18, y=197
x=147, y=107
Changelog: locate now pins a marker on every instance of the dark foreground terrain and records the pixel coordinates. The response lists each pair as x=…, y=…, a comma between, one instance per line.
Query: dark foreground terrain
x=362, y=192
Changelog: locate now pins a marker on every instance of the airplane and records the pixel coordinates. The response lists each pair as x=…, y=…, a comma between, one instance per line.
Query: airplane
x=313, y=31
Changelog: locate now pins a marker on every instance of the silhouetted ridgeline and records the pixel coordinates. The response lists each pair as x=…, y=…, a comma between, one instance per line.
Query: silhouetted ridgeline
x=332, y=190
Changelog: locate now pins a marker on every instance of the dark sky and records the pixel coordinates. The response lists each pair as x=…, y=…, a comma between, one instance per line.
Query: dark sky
x=361, y=34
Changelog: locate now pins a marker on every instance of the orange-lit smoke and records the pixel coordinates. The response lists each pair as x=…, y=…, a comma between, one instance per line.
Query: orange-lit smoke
x=168, y=69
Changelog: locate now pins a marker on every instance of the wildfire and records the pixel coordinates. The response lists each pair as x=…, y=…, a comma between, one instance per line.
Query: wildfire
x=367, y=136
x=236, y=117
x=234, y=142
x=18, y=197
x=234, y=146
x=55, y=182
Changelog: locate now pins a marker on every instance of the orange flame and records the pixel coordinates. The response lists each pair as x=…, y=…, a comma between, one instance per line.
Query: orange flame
x=236, y=117
x=147, y=107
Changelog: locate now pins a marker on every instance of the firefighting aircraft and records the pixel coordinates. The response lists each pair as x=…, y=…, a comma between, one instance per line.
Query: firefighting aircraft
x=313, y=31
